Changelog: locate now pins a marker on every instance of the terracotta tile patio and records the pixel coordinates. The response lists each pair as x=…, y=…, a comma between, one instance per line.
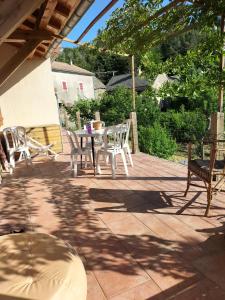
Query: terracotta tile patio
x=139, y=238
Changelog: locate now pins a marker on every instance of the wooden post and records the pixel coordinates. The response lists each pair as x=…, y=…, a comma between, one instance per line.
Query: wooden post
x=221, y=88
x=134, y=132
x=97, y=116
x=217, y=126
x=217, y=119
x=133, y=115
x=133, y=83
x=78, y=120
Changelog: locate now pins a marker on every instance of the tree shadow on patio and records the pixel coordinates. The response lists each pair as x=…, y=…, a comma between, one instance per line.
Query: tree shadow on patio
x=79, y=225
x=73, y=211
x=16, y=208
x=160, y=202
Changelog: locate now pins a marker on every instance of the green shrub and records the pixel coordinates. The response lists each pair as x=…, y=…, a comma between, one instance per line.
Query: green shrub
x=185, y=126
x=86, y=107
x=148, y=110
x=155, y=140
x=116, y=106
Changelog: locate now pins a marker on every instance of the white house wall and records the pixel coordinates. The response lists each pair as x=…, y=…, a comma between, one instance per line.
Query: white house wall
x=72, y=93
x=28, y=98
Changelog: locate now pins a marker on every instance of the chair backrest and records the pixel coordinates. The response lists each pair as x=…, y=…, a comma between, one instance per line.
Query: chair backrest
x=73, y=139
x=113, y=136
x=216, y=161
x=15, y=137
x=125, y=131
x=127, y=124
x=220, y=152
x=21, y=135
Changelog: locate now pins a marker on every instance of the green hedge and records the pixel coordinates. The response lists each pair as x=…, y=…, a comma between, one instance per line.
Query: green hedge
x=155, y=140
x=158, y=131
x=185, y=126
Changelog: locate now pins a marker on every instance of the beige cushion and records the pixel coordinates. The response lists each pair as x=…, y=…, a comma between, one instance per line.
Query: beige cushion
x=39, y=266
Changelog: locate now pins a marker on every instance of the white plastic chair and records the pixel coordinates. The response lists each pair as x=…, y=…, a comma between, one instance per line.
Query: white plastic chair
x=77, y=150
x=112, y=146
x=126, y=146
x=16, y=142
x=39, y=148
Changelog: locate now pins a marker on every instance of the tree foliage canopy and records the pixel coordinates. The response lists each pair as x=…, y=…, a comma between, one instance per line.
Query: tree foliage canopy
x=103, y=64
x=143, y=24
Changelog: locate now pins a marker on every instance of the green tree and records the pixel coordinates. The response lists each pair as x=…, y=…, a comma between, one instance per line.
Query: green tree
x=148, y=111
x=140, y=25
x=199, y=76
x=180, y=44
x=103, y=64
x=151, y=63
x=87, y=108
x=116, y=106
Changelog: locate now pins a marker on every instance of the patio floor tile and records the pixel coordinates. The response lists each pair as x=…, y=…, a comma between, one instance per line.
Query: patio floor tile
x=94, y=291
x=138, y=237
x=141, y=292
x=213, y=267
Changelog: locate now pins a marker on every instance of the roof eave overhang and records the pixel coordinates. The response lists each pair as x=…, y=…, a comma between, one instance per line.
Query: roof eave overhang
x=73, y=20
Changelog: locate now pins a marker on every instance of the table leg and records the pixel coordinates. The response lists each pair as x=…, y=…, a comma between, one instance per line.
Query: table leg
x=93, y=151
x=81, y=145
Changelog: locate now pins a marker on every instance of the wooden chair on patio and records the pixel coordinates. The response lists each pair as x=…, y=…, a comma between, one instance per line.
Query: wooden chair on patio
x=211, y=170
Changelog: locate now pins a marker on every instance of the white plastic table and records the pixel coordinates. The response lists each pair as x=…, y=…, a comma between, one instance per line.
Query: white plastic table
x=95, y=134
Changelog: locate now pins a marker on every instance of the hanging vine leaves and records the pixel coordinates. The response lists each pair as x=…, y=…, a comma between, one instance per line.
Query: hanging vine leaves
x=142, y=24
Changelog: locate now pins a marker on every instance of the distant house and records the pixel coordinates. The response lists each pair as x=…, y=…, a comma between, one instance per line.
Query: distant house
x=99, y=87
x=126, y=81
x=159, y=81
x=162, y=79
x=72, y=83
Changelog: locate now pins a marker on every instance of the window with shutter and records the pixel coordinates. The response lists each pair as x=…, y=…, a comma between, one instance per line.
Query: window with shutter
x=64, y=85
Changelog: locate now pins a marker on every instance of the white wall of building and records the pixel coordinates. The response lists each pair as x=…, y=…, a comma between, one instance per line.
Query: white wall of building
x=73, y=92
x=28, y=98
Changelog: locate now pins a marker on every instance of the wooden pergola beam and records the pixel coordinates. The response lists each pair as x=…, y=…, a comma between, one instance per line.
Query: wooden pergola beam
x=49, y=9
x=13, y=13
x=13, y=64
x=30, y=35
x=62, y=10
x=98, y=17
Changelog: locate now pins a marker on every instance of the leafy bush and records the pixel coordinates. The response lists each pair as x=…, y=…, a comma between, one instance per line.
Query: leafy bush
x=116, y=106
x=86, y=107
x=184, y=126
x=155, y=140
x=148, y=110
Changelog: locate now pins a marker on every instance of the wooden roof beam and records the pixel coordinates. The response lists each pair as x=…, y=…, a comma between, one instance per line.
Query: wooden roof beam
x=62, y=10
x=55, y=23
x=42, y=48
x=13, y=13
x=49, y=9
x=30, y=35
x=17, y=60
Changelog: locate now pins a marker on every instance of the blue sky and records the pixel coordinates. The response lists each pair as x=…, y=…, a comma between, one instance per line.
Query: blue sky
x=93, y=11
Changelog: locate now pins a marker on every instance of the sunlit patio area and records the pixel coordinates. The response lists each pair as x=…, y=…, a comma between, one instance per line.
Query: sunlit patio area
x=138, y=237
